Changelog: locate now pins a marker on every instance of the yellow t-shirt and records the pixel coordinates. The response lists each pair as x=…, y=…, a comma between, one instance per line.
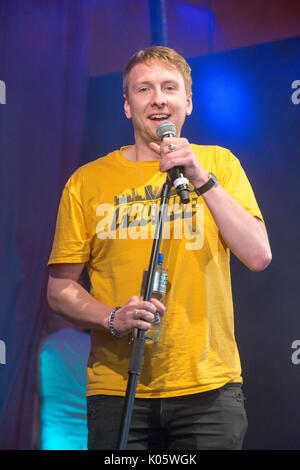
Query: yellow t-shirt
x=105, y=220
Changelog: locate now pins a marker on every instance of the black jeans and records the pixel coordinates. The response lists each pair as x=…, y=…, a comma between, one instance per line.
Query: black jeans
x=213, y=420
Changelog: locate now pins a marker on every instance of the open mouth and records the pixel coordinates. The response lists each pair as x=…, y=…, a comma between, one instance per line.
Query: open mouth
x=159, y=117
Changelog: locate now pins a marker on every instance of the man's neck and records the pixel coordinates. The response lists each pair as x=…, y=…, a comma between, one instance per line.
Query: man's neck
x=140, y=151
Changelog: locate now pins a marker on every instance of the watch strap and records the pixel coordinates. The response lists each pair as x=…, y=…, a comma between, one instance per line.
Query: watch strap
x=206, y=186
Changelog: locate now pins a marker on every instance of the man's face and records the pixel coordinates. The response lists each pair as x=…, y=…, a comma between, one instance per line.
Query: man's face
x=155, y=94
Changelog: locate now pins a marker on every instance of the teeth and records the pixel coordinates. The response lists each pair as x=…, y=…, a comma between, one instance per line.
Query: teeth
x=159, y=116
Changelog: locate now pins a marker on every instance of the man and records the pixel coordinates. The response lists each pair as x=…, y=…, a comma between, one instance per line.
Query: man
x=189, y=393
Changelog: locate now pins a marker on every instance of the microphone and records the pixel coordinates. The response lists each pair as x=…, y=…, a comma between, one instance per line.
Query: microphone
x=175, y=174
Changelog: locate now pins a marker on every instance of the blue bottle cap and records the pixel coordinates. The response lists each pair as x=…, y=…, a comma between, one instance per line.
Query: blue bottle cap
x=160, y=258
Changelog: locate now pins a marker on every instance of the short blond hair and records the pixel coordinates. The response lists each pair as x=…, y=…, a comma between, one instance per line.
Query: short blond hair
x=166, y=56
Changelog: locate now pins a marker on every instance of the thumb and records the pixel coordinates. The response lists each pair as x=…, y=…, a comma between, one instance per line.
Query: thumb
x=155, y=147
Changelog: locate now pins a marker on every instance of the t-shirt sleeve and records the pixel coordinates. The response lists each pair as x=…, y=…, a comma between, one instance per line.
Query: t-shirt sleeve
x=71, y=240
x=234, y=180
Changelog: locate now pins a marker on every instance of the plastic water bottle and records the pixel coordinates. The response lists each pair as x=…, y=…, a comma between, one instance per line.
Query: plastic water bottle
x=158, y=292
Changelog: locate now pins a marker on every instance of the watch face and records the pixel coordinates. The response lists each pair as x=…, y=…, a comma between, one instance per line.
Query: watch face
x=214, y=178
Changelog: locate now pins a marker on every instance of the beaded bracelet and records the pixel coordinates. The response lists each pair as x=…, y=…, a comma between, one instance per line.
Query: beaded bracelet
x=110, y=322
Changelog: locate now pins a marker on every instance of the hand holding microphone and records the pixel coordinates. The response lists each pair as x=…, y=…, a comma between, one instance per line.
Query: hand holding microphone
x=176, y=173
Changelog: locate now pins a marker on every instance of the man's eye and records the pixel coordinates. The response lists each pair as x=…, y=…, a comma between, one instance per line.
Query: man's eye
x=143, y=89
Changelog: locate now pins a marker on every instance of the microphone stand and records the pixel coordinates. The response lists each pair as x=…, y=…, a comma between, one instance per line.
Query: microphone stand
x=137, y=354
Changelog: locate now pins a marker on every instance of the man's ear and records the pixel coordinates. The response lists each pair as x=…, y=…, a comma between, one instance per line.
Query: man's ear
x=127, y=107
x=189, y=107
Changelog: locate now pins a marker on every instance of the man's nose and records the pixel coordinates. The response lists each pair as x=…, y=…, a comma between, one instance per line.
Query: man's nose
x=158, y=97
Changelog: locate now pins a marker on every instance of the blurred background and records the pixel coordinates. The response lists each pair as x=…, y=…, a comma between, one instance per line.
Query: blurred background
x=61, y=106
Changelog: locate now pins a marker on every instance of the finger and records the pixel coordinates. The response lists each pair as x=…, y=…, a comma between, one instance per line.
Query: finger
x=155, y=147
x=145, y=315
x=165, y=148
x=180, y=149
x=176, y=140
x=154, y=306
x=170, y=146
x=166, y=164
x=142, y=325
x=158, y=306
x=145, y=305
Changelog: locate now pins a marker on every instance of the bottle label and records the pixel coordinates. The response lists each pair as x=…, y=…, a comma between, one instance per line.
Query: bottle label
x=159, y=283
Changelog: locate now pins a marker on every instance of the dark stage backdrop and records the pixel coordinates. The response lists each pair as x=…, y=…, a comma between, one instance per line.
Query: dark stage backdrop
x=247, y=100
x=44, y=77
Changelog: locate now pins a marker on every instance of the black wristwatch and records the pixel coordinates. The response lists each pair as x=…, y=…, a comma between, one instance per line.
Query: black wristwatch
x=213, y=181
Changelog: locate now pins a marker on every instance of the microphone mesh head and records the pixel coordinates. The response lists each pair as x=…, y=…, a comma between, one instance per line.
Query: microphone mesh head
x=166, y=128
